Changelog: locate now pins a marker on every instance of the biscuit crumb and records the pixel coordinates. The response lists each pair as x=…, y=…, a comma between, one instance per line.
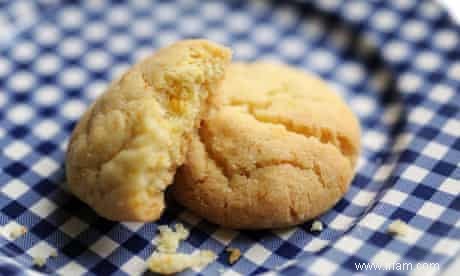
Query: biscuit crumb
x=234, y=255
x=317, y=226
x=13, y=230
x=40, y=261
x=166, y=261
x=168, y=240
x=169, y=263
x=398, y=228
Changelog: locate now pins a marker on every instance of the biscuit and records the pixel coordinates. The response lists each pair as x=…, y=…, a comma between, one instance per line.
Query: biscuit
x=124, y=151
x=278, y=147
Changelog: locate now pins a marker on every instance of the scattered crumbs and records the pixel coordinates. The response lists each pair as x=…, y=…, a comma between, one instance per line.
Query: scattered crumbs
x=166, y=261
x=317, y=226
x=169, y=263
x=13, y=231
x=234, y=255
x=168, y=239
x=398, y=228
x=39, y=261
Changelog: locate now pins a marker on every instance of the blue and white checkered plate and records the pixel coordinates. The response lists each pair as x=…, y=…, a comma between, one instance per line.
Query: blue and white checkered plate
x=397, y=63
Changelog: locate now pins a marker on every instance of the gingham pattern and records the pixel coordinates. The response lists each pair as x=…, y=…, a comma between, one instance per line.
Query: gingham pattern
x=396, y=62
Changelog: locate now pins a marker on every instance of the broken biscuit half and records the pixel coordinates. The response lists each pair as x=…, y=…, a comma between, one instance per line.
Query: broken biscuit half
x=124, y=151
x=278, y=147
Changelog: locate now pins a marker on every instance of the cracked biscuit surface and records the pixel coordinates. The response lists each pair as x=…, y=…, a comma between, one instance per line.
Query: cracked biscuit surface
x=278, y=147
x=124, y=151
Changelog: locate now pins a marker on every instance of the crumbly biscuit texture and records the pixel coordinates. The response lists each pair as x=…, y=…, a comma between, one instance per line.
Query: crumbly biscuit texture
x=13, y=230
x=169, y=263
x=277, y=148
x=165, y=260
x=124, y=151
x=316, y=226
x=168, y=240
x=234, y=254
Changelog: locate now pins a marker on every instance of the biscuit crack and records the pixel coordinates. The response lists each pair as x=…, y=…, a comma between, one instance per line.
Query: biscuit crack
x=213, y=157
x=323, y=135
x=317, y=171
x=292, y=211
x=222, y=167
x=272, y=163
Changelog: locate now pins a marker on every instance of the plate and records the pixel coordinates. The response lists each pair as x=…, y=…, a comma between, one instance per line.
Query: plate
x=397, y=63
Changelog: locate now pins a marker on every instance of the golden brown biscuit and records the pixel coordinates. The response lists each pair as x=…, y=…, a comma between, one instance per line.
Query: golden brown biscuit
x=277, y=148
x=124, y=151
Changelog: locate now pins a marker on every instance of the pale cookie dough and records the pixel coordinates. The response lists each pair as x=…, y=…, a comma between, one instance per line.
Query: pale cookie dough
x=168, y=240
x=125, y=150
x=170, y=263
x=279, y=147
